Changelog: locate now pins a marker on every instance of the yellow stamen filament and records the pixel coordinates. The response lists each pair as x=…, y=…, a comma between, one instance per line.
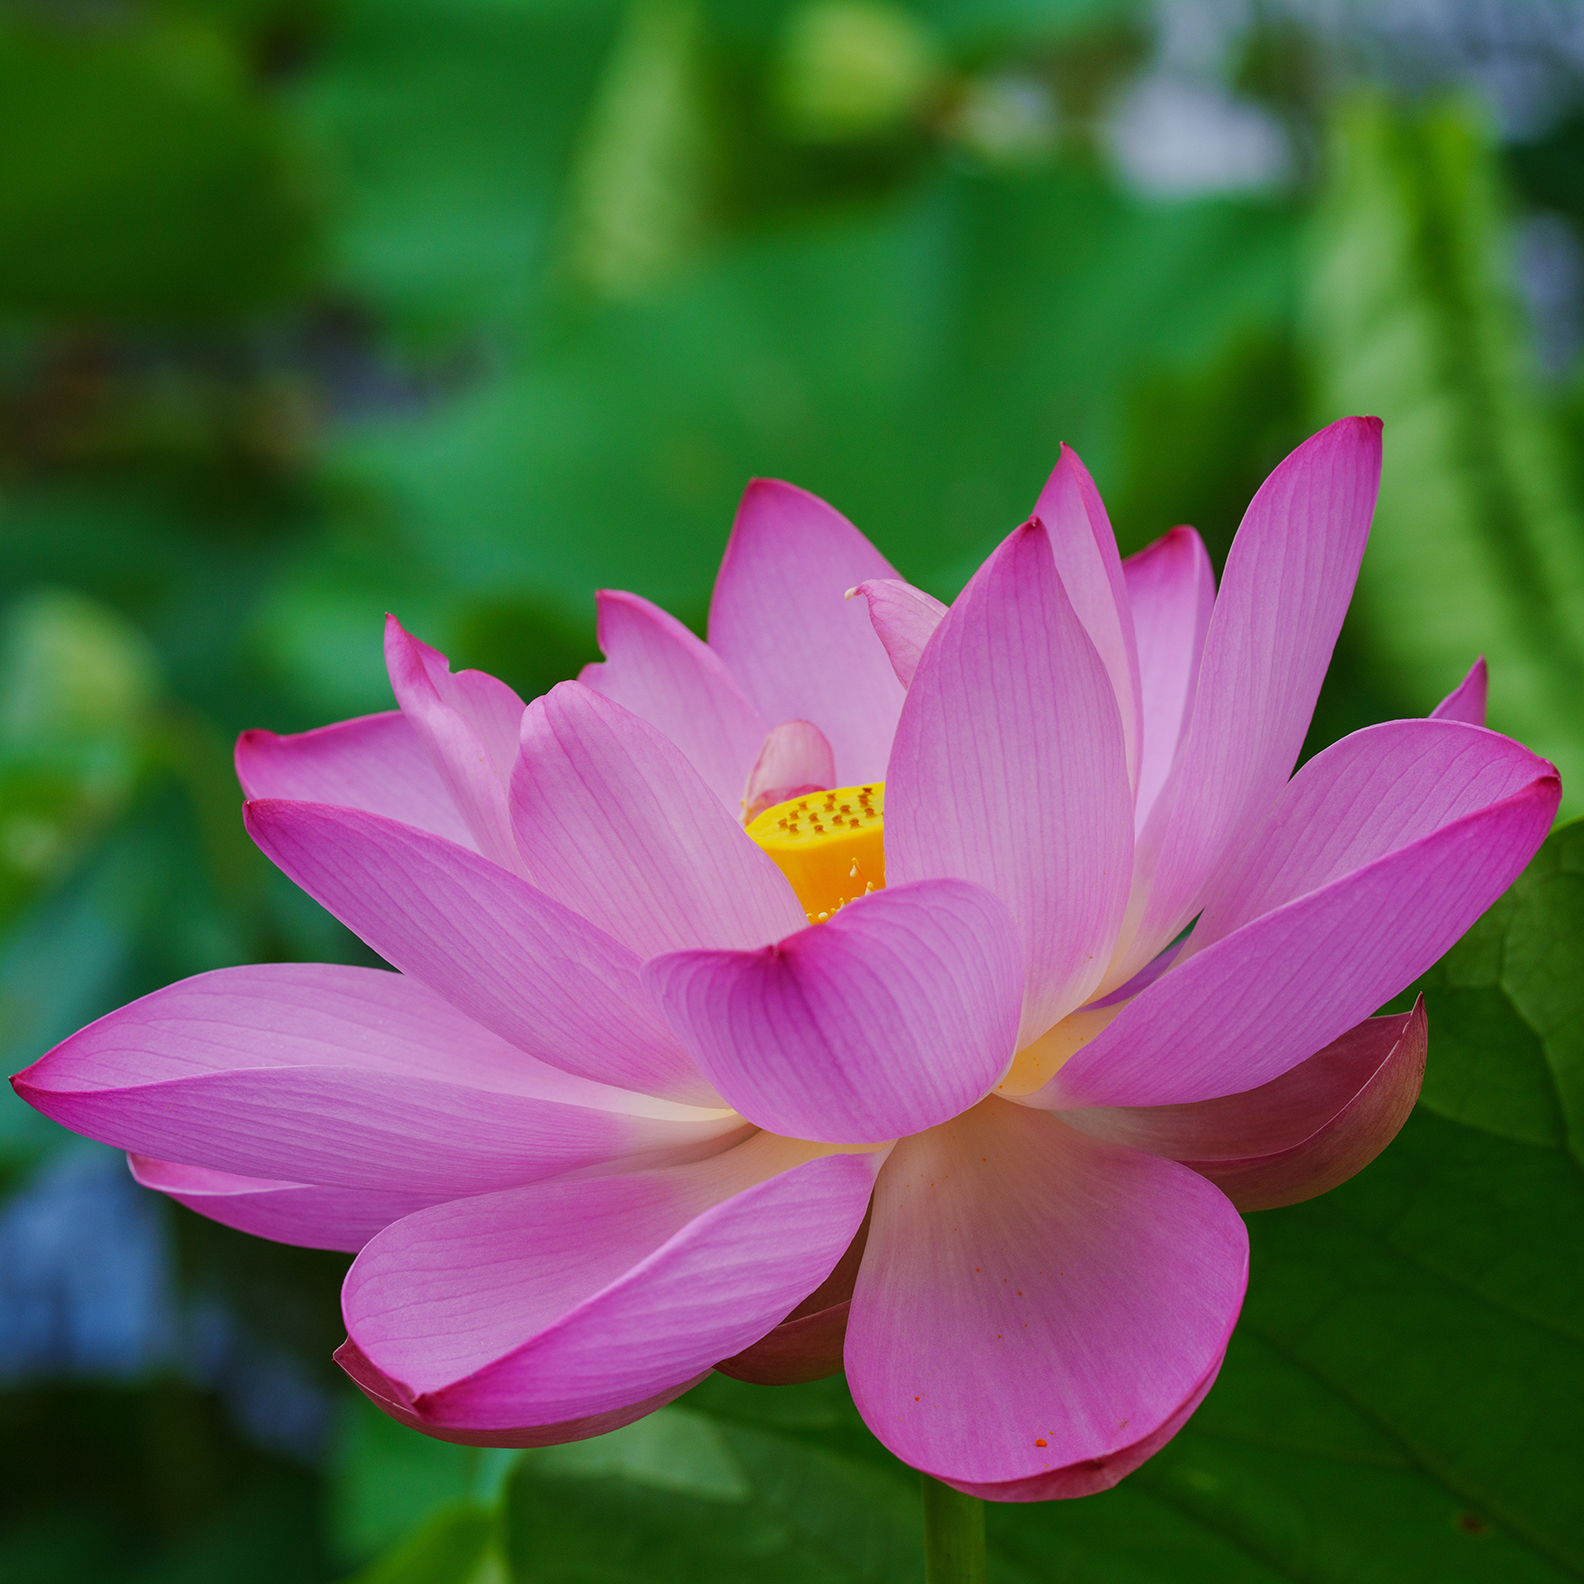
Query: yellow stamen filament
x=829, y=845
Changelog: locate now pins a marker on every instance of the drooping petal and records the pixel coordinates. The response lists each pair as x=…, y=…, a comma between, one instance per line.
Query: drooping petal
x=1299, y=1135
x=780, y=620
x=495, y=947
x=904, y=617
x=1285, y=590
x=344, y=1077
x=1368, y=795
x=1009, y=771
x=375, y=763
x=1258, y=1001
x=308, y=1215
x=665, y=675
x=1466, y=702
x=898, y=1013
x=615, y=822
x=386, y=1396
x=1032, y=1299
x=1090, y=570
x=1171, y=588
x=795, y=759
x=468, y=725
x=570, y=1298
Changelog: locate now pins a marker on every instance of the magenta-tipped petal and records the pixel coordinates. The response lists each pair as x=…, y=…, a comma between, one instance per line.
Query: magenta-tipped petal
x=576, y=1297
x=1009, y=771
x=904, y=617
x=1466, y=702
x=1171, y=588
x=615, y=822
x=898, y=1013
x=1285, y=590
x=347, y=1077
x=495, y=947
x=1032, y=1299
x=667, y=676
x=793, y=760
x=375, y=763
x=1299, y=1135
x=468, y=725
x=1090, y=570
x=781, y=621
x=309, y=1215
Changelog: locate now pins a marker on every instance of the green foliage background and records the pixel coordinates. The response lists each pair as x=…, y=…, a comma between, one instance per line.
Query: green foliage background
x=311, y=309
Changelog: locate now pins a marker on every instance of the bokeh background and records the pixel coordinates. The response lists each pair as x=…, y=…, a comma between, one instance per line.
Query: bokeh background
x=311, y=309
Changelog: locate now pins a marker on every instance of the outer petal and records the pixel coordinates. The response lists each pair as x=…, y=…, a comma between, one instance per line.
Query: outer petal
x=347, y=1077
x=1171, y=588
x=616, y=823
x=779, y=620
x=1091, y=572
x=1285, y=591
x=1258, y=1001
x=1032, y=1299
x=497, y=949
x=1009, y=771
x=1466, y=702
x=375, y=763
x=1368, y=795
x=307, y=1214
x=468, y=725
x=898, y=1013
x=795, y=759
x=572, y=1298
x=904, y=619
x=660, y=671
x=1297, y=1136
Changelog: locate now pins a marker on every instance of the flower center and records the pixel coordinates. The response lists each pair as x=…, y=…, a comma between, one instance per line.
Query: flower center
x=830, y=845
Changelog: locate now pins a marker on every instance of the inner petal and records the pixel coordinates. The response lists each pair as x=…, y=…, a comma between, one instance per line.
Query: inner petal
x=829, y=845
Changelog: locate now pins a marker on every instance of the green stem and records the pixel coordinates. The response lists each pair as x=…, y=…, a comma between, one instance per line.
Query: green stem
x=954, y=1535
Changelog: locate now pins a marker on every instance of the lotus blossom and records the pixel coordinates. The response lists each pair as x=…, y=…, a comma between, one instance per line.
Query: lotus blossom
x=913, y=989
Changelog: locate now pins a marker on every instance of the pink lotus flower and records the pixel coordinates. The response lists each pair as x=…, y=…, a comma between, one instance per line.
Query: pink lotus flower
x=653, y=1094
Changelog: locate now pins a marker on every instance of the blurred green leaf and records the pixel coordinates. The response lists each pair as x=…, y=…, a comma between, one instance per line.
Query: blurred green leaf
x=144, y=176
x=1478, y=545
x=454, y=1546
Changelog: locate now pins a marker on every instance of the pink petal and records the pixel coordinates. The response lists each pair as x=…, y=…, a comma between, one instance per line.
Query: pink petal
x=1368, y=795
x=385, y=1395
x=1299, y=1135
x=795, y=759
x=345, y=1077
x=1090, y=570
x=895, y=1015
x=570, y=1298
x=468, y=725
x=306, y=1214
x=1024, y=1283
x=615, y=822
x=1283, y=595
x=1008, y=771
x=780, y=621
x=1466, y=702
x=1171, y=588
x=497, y=949
x=903, y=617
x=375, y=763
x=660, y=671
x=1260, y=1000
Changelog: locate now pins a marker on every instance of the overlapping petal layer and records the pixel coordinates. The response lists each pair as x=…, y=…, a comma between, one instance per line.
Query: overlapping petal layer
x=898, y=1013
x=1033, y=1300
x=1466, y=702
x=660, y=671
x=904, y=617
x=781, y=623
x=572, y=1298
x=495, y=947
x=1008, y=770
